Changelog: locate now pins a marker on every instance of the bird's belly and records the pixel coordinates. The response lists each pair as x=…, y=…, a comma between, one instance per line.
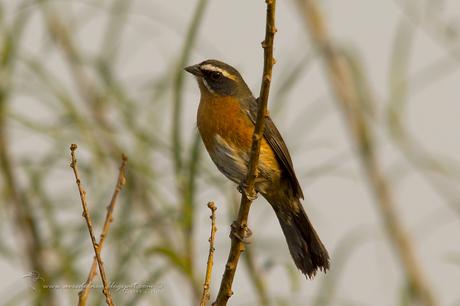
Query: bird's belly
x=227, y=135
x=232, y=162
x=229, y=159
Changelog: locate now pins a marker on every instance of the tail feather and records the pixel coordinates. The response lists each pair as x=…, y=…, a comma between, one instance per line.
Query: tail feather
x=307, y=250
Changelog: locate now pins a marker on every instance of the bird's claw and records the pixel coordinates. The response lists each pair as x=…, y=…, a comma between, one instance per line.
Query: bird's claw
x=243, y=189
x=246, y=232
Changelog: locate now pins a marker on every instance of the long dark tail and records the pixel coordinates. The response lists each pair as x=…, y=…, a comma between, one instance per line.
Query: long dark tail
x=306, y=248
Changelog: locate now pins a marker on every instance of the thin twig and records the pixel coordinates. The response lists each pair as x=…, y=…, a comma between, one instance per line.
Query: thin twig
x=105, y=282
x=342, y=83
x=207, y=281
x=83, y=294
x=225, y=290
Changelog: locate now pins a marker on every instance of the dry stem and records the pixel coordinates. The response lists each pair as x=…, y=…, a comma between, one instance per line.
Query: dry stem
x=73, y=165
x=341, y=80
x=83, y=294
x=225, y=290
x=207, y=281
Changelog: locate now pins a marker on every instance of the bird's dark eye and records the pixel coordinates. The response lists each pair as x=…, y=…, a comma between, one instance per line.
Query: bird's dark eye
x=215, y=75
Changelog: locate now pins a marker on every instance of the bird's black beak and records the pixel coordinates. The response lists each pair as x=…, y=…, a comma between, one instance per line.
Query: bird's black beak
x=194, y=69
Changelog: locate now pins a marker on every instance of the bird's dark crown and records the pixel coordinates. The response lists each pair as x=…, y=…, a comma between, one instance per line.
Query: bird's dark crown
x=219, y=78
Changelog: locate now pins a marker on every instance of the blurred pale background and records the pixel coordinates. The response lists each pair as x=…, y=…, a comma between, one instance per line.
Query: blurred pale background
x=137, y=83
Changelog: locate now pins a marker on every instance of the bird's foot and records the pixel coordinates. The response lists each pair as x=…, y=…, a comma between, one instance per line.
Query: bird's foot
x=246, y=232
x=243, y=189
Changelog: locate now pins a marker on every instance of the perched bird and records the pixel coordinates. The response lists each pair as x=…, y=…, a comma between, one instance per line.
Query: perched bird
x=226, y=119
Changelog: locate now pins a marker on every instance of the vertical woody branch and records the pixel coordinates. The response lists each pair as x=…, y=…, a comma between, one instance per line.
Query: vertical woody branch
x=342, y=83
x=237, y=246
x=83, y=294
x=207, y=281
x=96, y=247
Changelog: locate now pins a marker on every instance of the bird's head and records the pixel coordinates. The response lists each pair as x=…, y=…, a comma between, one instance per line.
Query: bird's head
x=218, y=79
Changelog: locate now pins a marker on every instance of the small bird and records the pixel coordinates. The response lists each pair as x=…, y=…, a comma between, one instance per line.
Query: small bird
x=226, y=119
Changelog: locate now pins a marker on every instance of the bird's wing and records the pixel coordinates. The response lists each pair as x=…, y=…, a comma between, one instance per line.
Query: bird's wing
x=276, y=142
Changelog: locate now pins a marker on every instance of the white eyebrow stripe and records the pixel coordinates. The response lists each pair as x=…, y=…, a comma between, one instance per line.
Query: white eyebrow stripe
x=210, y=67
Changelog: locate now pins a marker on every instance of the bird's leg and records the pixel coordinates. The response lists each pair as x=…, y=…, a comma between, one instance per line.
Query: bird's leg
x=246, y=232
x=243, y=188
